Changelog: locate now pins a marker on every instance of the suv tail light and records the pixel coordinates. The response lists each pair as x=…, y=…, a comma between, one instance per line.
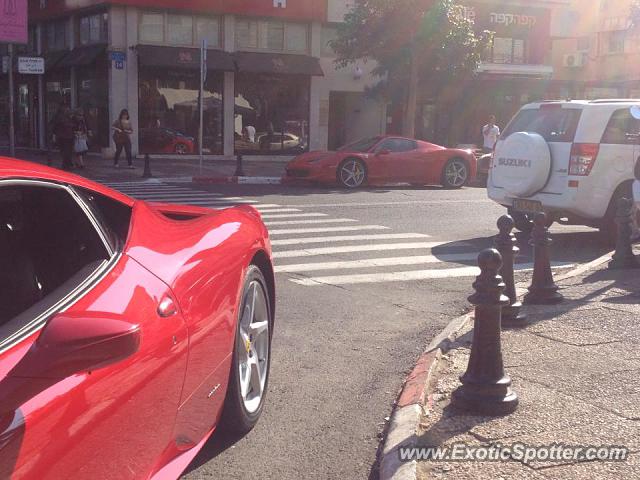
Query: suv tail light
x=583, y=157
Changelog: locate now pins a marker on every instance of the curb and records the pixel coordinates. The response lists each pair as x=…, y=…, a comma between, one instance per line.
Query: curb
x=413, y=397
x=238, y=180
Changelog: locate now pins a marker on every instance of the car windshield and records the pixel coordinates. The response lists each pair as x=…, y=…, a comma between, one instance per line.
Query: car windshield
x=363, y=145
x=554, y=124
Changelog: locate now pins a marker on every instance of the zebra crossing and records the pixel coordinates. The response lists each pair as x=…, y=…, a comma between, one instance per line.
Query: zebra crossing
x=313, y=248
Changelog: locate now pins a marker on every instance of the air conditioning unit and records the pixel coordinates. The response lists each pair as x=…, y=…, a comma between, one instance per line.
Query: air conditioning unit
x=574, y=60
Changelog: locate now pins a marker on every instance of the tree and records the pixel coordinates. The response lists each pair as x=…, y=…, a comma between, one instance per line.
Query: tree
x=412, y=41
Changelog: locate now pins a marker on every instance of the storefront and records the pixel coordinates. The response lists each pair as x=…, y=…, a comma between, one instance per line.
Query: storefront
x=272, y=102
x=169, y=86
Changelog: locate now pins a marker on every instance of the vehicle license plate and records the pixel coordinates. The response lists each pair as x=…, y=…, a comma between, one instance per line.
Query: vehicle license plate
x=527, y=206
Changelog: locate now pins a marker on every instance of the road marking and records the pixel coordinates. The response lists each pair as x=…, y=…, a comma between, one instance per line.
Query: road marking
x=270, y=209
x=375, y=262
x=327, y=229
x=310, y=222
x=311, y=252
x=408, y=202
x=399, y=276
x=295, y=215
x=349, y=238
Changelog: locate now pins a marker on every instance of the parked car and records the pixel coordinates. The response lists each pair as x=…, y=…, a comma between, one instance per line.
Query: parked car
x=279, y=141
x=129, y=330
x=570, y=159
x=386, y=159
x=166, y=140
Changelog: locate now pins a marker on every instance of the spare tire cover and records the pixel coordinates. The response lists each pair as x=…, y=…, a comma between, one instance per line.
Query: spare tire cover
x=522, y=164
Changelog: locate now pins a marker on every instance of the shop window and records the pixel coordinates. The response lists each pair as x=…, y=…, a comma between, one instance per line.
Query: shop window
x=93, y=29
x=508, y=51
x=271, y=114
x=274, y=36
x=169, y=114
x=151, y=27
x=56, y=35
x=180, y=29
x=208, y=28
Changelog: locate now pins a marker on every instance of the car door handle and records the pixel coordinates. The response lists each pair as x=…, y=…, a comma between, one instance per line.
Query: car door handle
x=167, y=307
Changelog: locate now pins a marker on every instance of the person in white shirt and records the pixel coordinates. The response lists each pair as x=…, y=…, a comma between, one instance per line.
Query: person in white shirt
x=251, y=133
x=490, y=133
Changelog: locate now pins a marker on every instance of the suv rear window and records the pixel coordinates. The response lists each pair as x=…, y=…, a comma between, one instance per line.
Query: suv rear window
x=553, y=124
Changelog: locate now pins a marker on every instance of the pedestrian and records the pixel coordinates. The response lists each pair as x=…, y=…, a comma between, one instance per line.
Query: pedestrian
x=122, y=131
x=490, y=134
x=635, y=236
x=64, y=136
x=81, y=132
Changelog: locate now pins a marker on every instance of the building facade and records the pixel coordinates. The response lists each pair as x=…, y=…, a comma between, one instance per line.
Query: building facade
x=271, y=87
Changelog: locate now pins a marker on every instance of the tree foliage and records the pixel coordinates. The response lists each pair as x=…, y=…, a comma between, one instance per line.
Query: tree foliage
x=411, y=41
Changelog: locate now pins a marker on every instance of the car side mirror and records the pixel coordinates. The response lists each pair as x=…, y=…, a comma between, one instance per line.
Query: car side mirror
x=69, y=344
x=384, y=151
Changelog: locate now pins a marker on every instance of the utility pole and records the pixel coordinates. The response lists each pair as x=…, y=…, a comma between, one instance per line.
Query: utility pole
x=203, y=75
x=12, y=126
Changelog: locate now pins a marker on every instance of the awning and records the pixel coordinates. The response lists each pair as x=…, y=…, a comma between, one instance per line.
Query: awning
x=172, y=57
x=82, y=56
x=250, y=62
x=51, y=59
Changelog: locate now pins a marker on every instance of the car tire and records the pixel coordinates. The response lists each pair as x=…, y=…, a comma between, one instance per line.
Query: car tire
x=237, y=416
x=352, y=173
x=181, y=149
x=455, y=173
x=608, y=226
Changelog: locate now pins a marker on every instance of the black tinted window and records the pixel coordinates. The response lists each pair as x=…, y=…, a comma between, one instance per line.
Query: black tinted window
x=553, y=124
x=397, y=145
x=621, y=125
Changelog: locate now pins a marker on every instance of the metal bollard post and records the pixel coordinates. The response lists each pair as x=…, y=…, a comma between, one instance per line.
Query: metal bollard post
x=623, y=256
x=486, y=389
x=239, y=170
x=543, y=290
x=147, y=167
x=505, y=243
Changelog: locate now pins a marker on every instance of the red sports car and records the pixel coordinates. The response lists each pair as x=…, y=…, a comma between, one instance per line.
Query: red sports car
x=129, y=331
x=386, y=159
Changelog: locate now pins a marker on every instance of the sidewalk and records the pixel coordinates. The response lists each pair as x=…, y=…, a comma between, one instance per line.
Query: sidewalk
x=576, y=370
x=183, y=169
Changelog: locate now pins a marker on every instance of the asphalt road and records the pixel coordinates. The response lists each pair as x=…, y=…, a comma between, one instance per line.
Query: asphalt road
x=357, y=302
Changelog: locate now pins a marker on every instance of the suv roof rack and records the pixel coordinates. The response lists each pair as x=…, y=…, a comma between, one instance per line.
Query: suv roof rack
x=615, y=100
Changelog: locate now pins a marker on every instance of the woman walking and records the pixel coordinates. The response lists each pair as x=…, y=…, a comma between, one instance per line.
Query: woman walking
x=81, y=132
x=122, y=131
x=63, y=130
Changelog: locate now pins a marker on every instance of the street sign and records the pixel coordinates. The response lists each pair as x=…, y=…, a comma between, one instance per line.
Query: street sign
x=13, y=21
x=31, y=65
x=118, y=56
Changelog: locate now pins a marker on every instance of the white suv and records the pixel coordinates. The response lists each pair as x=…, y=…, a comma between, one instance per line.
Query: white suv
x=570, y=159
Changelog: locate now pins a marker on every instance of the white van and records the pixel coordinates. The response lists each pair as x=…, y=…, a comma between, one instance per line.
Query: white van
x=570, y=159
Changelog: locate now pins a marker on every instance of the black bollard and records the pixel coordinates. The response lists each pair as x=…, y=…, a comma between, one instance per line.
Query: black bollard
x=147, y=167
x=239, y=170
x=543, y=290
x=623, y=256
x=505, y=243
x=486, y=389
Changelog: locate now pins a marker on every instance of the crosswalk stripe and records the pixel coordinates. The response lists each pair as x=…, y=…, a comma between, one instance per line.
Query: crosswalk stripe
x=399, y=276
x=205, y=201
x=311, y=252
x=348, y=238
x=288, y=231
x=375, y=262
x=295, y=215
x=311, y=222
x=270, y=209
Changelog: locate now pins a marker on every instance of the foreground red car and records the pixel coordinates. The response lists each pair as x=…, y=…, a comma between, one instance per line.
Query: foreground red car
x=129, y=331
x=386, y=159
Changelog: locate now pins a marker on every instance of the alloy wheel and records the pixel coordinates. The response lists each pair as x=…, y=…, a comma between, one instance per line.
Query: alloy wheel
x=456, y=173
x=352, y=173
x=253, y=347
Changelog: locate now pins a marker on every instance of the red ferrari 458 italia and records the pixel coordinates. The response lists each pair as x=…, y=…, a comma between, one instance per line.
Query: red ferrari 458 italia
x=129, y=331
x=386, y=159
